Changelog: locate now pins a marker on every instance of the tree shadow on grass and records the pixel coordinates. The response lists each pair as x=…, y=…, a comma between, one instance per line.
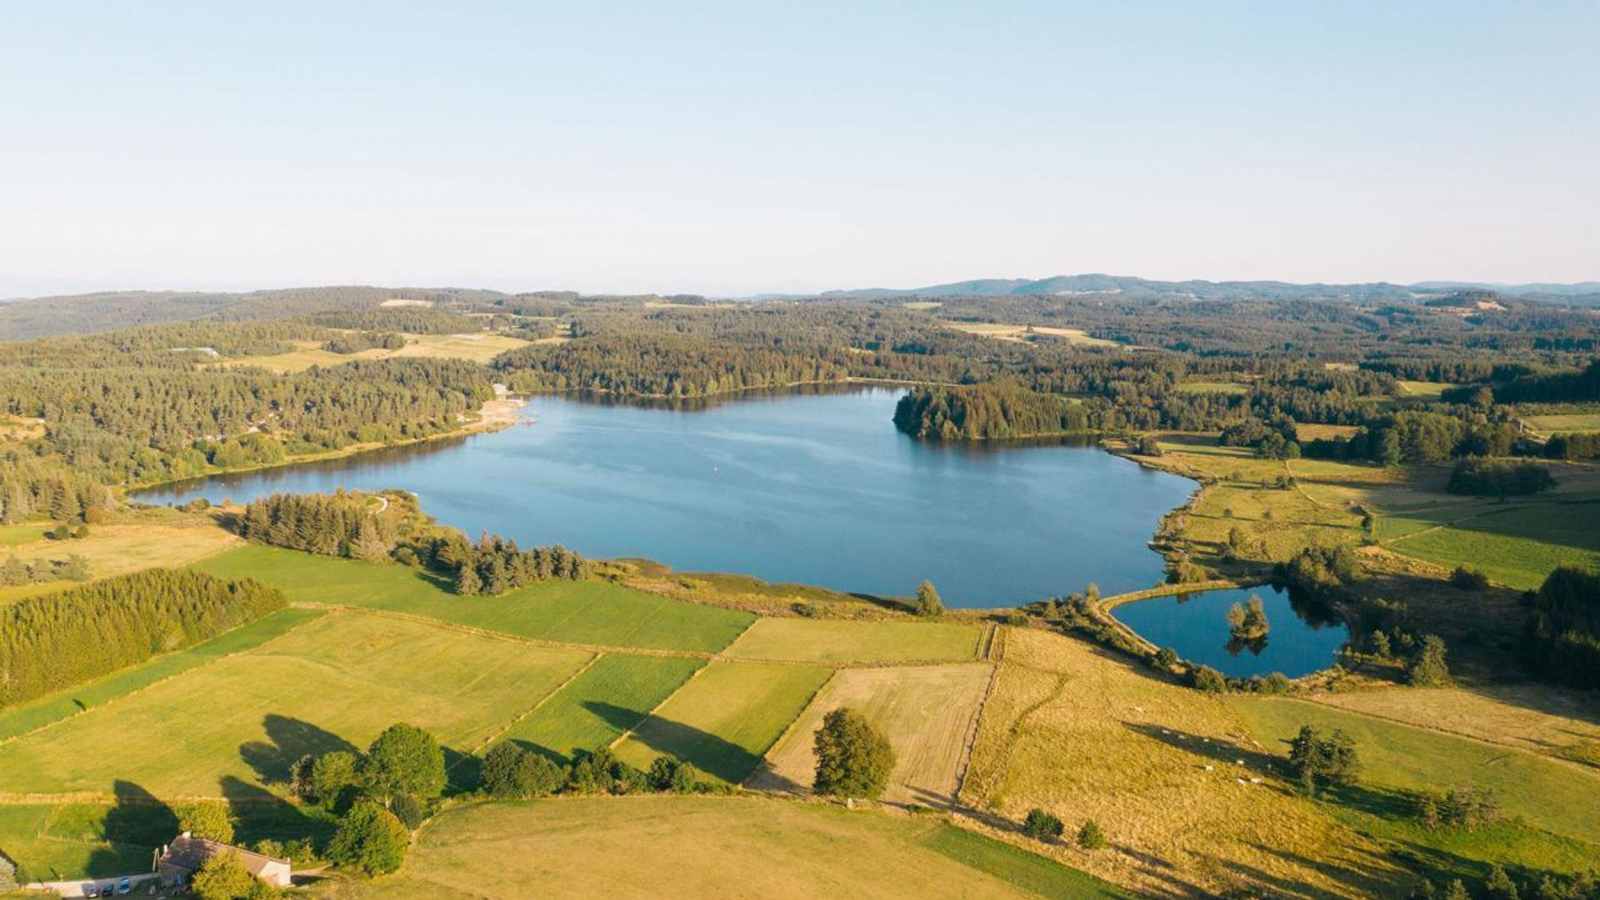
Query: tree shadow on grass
x=263, y=815
x=709, y=753
x=463, y=772
x=288, y=739
x=134, y=827
x=1249, y=759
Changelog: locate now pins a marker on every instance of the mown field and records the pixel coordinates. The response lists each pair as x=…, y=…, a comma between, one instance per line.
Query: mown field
x=1514, y=545
x=1004, y=332
x=231, y=726
x=601, y=704
x=726, y=717
x=584, y=612
x=474, y=347
x=843, y=641
x=1563, y=423
x=929, y=713
x=662, y=848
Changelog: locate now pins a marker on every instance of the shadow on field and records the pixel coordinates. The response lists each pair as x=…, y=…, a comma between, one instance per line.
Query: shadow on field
x=133, y=827
x=1247, y=759
x=708, y=752
x=463, y=772
x=263, y=815
x=288, y=739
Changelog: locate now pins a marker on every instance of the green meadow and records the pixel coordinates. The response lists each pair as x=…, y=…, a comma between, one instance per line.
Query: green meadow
x=604, y=701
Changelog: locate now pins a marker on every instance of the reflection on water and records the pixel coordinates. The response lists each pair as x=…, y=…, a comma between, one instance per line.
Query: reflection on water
x=1303, y=637
x=814, y=486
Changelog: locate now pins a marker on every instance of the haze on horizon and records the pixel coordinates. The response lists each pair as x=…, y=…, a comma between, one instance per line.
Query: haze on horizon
x=730, y=149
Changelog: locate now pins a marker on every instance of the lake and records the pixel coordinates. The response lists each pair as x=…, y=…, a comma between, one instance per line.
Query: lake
x=1196, y=625
x=817, y=487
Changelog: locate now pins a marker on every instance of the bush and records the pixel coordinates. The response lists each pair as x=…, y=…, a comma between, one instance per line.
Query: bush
x=1207, y=679
x=1042, y=825
x=1428, y=668
x=1164, y=659
x=1469, y=579
x=411, y=811
x=209, y=819
x=1090, y=837
x=1319, y=760
x=513, y=771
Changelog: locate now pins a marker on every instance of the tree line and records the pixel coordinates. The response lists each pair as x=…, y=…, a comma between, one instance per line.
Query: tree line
x=1561, y=640
x=56, y=641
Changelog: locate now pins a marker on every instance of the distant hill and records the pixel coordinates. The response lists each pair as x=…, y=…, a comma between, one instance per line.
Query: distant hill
x=1584, y=294
x=89, y=313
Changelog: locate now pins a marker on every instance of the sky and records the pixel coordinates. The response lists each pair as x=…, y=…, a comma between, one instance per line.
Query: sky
x=744, y=147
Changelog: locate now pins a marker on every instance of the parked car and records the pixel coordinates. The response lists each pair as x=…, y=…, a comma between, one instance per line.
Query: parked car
x=125, y=886
x=91, y=890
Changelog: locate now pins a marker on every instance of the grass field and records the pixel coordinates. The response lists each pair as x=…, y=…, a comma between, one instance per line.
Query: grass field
x=927, y=712
x=71, y=841
x=1541, y=718
x=584, y=612
x=240, y=721
x=1427, y=390
x=1087, y=737
x=664, y=848
x=474, y=347
x=1004, y=332
x=1213, y=387
x=838, y=641
x=140, y=540
x=607, y=699
x=725, y=718
x=1562, y=799
x=18, y=720
x=1563, y=423
x=1515, y=545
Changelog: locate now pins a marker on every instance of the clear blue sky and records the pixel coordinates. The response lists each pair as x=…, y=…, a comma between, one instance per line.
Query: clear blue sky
x=739, y=147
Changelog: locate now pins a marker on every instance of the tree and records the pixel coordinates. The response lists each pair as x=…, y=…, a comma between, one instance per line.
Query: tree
x=1428, y=668
x=928, y=603
x=1499, y=885
x=404, y=759
x=1457, y=891
x=209, y=819
x=1042, y=825
x=854, y=759
x=411, y=811
x=223, y=877
x=1320, y=760
x=1090, y=837
x=333, y=776
x=369, y=839
x=510, y=770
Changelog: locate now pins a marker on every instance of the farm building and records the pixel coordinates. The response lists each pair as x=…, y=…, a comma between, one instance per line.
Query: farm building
x=183, y=856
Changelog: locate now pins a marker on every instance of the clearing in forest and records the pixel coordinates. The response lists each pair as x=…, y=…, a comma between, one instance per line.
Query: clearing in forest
x=473, y=347
x=135, y=541
x=636, y=847
x=927, y=712
x=604, y=701
x=1021, y=333
x=240, y=722
x=847, y=641
x=725, y=718
x=591, y=611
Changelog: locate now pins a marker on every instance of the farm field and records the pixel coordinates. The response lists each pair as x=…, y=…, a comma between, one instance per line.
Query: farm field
x=331, y=686
x=583, y=612
x=1396, y=756
x=625, y=848
x=23, y=718
x=135, y=541
x=1020, y=333
x=1213, y=387
x=928, y=714
x=1563, y=423
x=1428, y=390
x=1514, y=545
x=1085, y=737
x=725, y=718
x=844, y=641
x=595, y=708
x=72, y=840
x=1532, y=716
x=475, y=347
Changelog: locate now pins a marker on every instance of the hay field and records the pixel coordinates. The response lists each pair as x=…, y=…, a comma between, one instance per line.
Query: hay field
x=591, y=612
x=473, y=347
x=604, y=701
x=844, y=641
x=1088, y=737
x=1530, y=716
x=133, y=542
x=1566, y=423
x=927, y=712
x=241, y=721
x=725, y=718
x=691, y=848
x=1213, y=387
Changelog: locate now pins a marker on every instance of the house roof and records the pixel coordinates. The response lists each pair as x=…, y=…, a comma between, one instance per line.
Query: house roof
x=188, y=852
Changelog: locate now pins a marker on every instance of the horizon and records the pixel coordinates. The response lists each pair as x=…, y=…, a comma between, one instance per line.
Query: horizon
x=727, y=151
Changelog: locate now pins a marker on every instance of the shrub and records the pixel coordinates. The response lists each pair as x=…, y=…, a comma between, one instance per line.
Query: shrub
x=1164, y=659
x=411, y=811
x=1469, y=579
x=1042, y=825
x=209, y=819
x=1207, y=679
x=1090, y=837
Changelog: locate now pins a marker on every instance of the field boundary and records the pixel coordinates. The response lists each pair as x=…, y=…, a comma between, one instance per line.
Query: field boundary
x=971, y=742
x=520, y=717
x=783, y=735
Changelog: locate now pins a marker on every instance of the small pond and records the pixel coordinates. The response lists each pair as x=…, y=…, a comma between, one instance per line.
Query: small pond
x=1298, y=643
